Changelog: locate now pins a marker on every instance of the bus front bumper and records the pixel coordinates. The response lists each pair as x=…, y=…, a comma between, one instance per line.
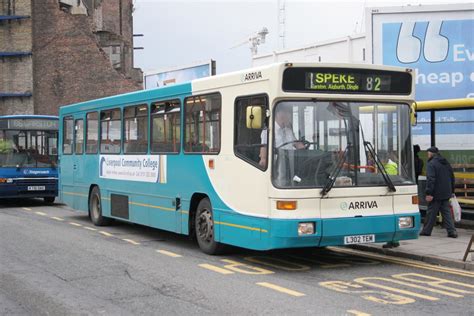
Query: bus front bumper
x=28, y=190
x=332, y=232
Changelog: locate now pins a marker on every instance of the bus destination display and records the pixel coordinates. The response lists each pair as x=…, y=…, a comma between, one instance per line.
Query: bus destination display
x=33, y=124
x=347, y=82
x=343, y=80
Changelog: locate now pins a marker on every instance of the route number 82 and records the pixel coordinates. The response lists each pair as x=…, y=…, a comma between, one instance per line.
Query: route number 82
x=373, y=84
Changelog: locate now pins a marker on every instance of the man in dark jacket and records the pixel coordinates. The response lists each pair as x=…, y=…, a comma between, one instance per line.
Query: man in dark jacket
x=418, y=162
x=439, y=189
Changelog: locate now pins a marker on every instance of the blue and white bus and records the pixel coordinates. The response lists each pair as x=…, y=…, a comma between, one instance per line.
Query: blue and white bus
x=281, y=156
x=28, y=157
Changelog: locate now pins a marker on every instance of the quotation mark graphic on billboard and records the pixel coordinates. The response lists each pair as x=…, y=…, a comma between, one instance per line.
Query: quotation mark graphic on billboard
x=434, y=46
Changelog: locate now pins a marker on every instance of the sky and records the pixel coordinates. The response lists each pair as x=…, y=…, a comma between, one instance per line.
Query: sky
x=179, y=33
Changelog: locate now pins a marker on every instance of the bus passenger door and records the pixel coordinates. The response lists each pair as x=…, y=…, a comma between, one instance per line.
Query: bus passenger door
x=67, y=161
x=80, y=198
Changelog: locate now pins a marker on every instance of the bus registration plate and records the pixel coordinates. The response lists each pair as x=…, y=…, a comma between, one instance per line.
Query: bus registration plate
x=359, y=239
x=36, y=188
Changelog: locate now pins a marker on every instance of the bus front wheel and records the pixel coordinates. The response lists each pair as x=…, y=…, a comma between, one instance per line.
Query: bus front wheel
x=204, y=225
x=95, y=209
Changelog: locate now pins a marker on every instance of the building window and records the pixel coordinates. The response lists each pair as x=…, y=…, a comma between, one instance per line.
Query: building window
x=110, y=127
x=166, y=127
x=79, y=136
x=250, y=144
x=203, y=124
x=136, y=129
x=68, y=135
x=92, y=132
x=115, y=55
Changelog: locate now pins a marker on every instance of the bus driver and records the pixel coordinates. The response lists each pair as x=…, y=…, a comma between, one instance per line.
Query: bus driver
x=283, y=134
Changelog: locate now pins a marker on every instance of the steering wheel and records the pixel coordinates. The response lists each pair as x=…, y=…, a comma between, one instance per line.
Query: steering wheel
x=305, y=143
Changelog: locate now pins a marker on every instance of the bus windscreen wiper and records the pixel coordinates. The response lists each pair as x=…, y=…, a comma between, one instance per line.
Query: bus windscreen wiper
x=335, y=172
x=368, y=146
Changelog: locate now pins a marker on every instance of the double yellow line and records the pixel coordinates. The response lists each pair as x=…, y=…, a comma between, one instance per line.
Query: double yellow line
x=405, y=262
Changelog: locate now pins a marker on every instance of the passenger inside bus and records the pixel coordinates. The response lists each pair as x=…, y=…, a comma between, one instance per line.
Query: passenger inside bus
x=370, y=167
x=388, y=161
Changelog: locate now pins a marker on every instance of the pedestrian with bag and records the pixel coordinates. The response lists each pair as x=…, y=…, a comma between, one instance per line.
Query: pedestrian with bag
x=439, y=189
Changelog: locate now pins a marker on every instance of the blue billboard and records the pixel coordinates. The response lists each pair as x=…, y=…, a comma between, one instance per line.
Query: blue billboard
x=440, y=51
x=165, y=78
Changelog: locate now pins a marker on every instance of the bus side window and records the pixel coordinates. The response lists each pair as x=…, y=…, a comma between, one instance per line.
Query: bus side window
x=203, y=124
x=136, y=129
x=250, y=143
x=111, y=131
x=166, y=127
x=92, y=132
x=68, y=134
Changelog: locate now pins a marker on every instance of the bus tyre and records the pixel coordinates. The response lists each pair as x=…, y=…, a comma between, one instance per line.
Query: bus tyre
x=95, y=209
x=204, y=226
x=49, y=199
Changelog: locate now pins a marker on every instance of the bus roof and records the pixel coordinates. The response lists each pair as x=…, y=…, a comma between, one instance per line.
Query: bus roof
x=213, y=82
x=449, y=104
x=29, y=116
x=131, y=97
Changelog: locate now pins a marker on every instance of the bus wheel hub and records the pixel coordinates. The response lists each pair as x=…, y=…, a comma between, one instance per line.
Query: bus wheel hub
x=205, y=226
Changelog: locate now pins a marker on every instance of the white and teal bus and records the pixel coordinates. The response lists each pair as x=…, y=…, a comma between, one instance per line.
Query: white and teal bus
x=281, y=156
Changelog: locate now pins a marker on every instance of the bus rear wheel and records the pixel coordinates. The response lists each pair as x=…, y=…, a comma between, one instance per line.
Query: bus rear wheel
x=204, y=226
x=95, y=209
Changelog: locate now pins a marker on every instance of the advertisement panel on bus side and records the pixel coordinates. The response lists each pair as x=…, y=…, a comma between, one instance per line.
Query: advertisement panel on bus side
x=143, y=168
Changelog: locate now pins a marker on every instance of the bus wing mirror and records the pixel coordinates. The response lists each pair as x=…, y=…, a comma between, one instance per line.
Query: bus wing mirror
x=413, y=114
x=254, y=117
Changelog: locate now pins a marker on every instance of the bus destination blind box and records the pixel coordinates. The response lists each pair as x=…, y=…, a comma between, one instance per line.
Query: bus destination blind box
x=341, y=80
x=30, y=124
x=346, y=82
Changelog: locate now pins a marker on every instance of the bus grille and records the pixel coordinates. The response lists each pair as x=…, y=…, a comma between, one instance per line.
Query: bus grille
x=35, y=181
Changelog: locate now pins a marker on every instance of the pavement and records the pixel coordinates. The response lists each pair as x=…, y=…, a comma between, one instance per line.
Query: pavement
x=436, y=249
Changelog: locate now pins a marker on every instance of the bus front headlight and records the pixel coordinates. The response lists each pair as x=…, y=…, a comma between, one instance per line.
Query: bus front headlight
x=305, y=228
x=405, y=222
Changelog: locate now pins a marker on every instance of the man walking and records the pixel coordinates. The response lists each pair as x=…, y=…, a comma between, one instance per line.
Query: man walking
x=439, y=189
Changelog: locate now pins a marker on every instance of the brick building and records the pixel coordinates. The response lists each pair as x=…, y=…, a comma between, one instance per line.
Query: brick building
x=57, y=52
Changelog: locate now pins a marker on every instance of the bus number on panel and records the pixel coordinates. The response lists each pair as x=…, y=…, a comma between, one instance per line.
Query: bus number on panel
x=373, y=83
